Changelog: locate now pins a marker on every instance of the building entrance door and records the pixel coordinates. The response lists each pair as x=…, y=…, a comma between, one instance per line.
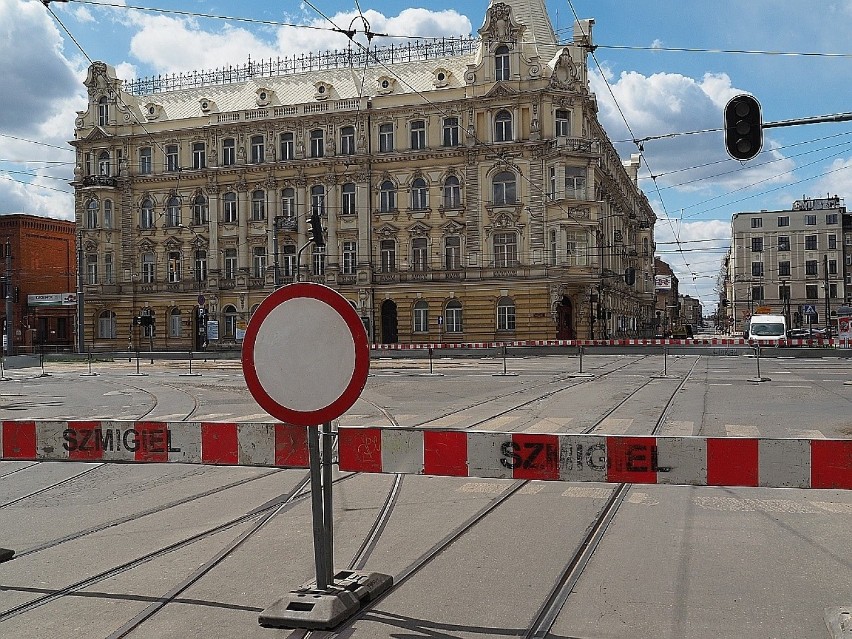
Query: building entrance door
x=565, y=319
x=390, y=334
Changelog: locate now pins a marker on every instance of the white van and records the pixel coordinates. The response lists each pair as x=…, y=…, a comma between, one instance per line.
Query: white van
x=767, y=329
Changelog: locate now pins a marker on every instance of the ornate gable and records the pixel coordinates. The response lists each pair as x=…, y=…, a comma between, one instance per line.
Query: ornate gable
x=500, y=27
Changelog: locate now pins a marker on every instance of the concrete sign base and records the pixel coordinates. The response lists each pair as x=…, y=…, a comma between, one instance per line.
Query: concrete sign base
x=313, y=609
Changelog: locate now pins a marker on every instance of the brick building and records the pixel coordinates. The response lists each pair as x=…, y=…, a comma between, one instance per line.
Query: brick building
x=43, y=281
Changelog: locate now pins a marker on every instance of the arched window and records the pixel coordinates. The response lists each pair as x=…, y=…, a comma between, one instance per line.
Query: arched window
x=453, y=317
x=229, y=151
x=505, y=314
x=421, y=316
x=387, y=253
x=501, y=63
x=288, y=204
x=146, y=215
x=148, y=268
x=257, y=149
x=420, y=254
x=92, y=210
x=229, y=314
x=229, y=212
x=347, y=195
x=318, y=199
x=317, y=143
x=347, y=140
x=503, y=191
x=103, y=164
x=173, y=212
x=175, y=323
x=387, y=196
x=503, y=126
x=106, y=325
x=419, y=195
x=199, y=210
x=258, y=205
x=452, y=193
x=107, y=214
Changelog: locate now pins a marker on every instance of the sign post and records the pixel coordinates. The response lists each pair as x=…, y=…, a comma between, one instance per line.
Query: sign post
x=305, y=361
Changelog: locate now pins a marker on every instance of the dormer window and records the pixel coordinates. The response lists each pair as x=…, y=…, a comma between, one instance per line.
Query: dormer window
x=441, y=77
x=207, y=105
x=386, y=85
x=501, y=64
x=323, y=90
x=152, y=111
x=264, y=96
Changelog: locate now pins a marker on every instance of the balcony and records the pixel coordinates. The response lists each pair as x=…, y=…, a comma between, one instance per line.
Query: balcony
x=100, y=180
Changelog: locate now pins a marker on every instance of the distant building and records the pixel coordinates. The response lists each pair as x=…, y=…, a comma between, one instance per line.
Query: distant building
x=42, y=281
x=790, y=262
x=691, y=311
x=666, y=303
x=467, y=187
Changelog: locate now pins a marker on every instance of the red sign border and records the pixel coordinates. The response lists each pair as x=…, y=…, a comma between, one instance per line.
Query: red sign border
x=359, y=337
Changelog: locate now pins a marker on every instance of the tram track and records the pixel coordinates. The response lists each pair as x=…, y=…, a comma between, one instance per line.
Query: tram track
x=574, y=565
x=266, y=512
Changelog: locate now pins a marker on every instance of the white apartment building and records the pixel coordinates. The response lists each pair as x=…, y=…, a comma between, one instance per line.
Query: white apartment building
x=790, y=262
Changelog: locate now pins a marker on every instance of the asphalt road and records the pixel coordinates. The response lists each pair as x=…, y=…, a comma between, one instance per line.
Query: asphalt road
x=99, y=544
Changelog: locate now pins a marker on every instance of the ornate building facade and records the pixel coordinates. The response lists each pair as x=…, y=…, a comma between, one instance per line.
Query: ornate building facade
x=467, y=189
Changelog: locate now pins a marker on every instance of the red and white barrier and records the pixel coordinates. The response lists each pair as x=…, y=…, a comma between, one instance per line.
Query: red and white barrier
x=698, y=461
x=716, y=341
x=243, y=444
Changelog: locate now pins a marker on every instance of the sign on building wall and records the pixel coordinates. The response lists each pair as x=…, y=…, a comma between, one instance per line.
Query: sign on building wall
x=663, y=282
x=52, y=299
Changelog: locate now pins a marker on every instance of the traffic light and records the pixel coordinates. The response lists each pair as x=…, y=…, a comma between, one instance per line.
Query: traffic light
x=630, y=276
x=316, y=230
x=743, y=127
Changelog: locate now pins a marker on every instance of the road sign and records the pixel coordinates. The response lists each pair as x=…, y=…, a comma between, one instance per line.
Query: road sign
x=201, y=300
x=305, y=354
x=808, y=309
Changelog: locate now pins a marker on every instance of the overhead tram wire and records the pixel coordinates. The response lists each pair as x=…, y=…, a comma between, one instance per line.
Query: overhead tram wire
x=52, y=146
x=368, y=53
x=638, y=144
x=195, y=14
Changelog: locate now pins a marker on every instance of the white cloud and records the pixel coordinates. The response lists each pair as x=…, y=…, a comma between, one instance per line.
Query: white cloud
x=42, y=92
x=171, y=45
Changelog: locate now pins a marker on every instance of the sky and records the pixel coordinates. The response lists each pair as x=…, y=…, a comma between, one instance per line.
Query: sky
x=659, y=69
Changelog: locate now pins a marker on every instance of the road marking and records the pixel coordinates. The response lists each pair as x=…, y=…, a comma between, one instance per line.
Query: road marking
x=210, y=417
x=720, y=384
x=549, y=425
x=587, y=492
x=613, y=426
x=481, y=487
x=735, y=504
x=739, y=430
x=796, y=385
x=498, y=423
x=807, y=434
x=447, y=420
x=678, y=429
x=257, y=417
